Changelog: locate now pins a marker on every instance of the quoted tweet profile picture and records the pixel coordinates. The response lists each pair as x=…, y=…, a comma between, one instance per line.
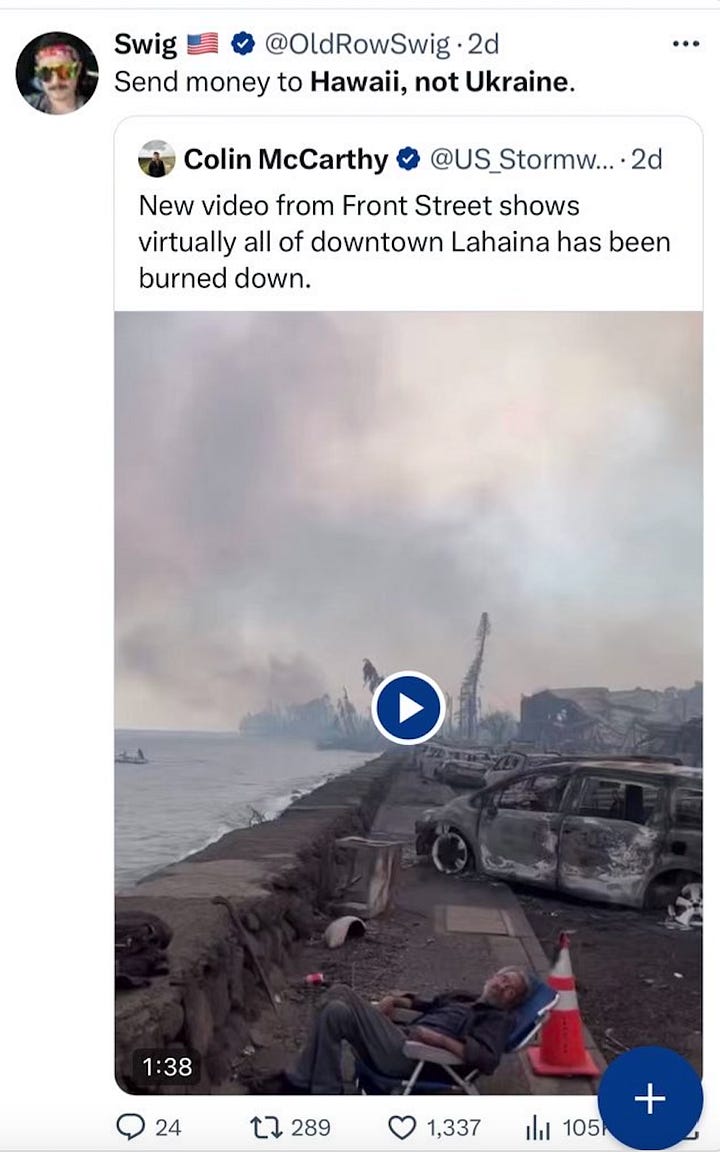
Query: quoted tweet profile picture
x=56, y=73
x=156, y=158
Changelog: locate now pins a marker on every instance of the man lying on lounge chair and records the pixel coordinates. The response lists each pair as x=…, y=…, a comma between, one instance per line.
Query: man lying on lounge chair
x=474, y=1028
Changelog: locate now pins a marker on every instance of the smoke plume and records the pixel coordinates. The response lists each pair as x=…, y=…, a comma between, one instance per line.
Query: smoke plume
x=298, y=491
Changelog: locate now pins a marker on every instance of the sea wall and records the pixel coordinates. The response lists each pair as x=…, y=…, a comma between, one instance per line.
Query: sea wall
x=276, y=876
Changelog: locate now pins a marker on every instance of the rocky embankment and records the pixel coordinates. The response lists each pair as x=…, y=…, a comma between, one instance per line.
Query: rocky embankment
x=275, y=877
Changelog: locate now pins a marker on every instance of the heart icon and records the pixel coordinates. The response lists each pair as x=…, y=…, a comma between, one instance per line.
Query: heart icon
x=402, y=1126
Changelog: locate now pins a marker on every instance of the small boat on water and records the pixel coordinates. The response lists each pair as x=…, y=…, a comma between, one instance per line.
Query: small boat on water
x=138, y=757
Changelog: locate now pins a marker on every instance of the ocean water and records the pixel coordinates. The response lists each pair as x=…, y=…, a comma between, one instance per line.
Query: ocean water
x=197, y=786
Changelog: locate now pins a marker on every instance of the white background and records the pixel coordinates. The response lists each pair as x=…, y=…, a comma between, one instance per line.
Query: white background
x=56, y=503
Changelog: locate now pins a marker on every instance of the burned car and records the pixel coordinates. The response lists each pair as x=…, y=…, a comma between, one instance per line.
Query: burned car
x=624, y=832
x=436, y=759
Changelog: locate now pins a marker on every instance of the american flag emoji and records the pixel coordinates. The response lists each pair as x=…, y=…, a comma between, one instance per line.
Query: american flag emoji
x=205, y=42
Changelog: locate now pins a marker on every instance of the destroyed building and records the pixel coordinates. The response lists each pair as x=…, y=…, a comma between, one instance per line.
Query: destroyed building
x=643, y=721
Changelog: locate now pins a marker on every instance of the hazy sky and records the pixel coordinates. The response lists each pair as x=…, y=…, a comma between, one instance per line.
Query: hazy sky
x=296, y=492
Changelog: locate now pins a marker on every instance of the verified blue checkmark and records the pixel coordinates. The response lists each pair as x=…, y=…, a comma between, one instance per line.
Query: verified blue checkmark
x=408, y=158
x=243, y=43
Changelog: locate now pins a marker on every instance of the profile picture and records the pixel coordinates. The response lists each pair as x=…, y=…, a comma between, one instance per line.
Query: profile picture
x=156, y=158
x=56, y=73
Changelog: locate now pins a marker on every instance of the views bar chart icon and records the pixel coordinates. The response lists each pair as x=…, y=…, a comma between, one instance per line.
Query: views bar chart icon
x=536, y=1131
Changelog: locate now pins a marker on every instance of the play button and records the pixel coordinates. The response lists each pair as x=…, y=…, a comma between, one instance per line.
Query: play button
x=408, y=708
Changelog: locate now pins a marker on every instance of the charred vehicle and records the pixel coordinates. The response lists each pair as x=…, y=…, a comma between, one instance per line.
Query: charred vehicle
x=480, y=772
x=435, y=759
x=624, y=832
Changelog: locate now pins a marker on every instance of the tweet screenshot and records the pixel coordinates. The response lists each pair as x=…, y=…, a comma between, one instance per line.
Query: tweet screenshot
x=353, y=482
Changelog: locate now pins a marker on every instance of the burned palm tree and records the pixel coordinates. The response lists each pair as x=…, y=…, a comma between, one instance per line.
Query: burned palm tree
x=371, y=676
x=469, y=710
x=348, y=714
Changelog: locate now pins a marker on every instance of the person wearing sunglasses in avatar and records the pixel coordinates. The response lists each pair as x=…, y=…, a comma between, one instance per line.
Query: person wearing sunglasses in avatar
x=58, y=70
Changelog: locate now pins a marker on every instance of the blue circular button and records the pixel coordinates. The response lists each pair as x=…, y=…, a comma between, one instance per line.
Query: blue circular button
x=408, y=708
x=650, y=1098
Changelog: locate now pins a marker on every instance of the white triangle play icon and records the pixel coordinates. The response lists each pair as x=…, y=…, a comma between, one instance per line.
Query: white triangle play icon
x=408, y=707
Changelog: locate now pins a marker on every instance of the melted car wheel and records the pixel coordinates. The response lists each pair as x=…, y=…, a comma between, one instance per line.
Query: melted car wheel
x=687, y=910
x=451, y=853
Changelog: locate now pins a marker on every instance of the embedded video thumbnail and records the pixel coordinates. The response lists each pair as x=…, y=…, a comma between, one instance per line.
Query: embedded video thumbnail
x=408, y=749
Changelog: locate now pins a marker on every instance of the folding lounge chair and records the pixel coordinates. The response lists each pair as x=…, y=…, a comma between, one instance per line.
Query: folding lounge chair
x=447, y=1073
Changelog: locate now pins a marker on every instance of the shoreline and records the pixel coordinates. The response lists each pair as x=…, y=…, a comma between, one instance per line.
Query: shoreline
x=275, y=877
x=226, y=845
x=269, y=808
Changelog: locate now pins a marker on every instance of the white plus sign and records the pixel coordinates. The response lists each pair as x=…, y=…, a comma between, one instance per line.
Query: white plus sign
x=650, y=1099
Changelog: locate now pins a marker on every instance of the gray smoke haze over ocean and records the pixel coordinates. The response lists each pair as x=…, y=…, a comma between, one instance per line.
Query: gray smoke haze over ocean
x=296, y=492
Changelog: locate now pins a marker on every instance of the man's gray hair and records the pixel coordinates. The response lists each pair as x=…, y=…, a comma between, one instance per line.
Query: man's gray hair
x=523, y=973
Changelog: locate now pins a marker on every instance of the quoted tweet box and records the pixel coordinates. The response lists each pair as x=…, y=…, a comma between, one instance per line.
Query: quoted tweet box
x=388, y=213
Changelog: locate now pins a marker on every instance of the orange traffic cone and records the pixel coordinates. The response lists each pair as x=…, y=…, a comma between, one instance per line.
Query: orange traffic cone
x=562, y=1050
